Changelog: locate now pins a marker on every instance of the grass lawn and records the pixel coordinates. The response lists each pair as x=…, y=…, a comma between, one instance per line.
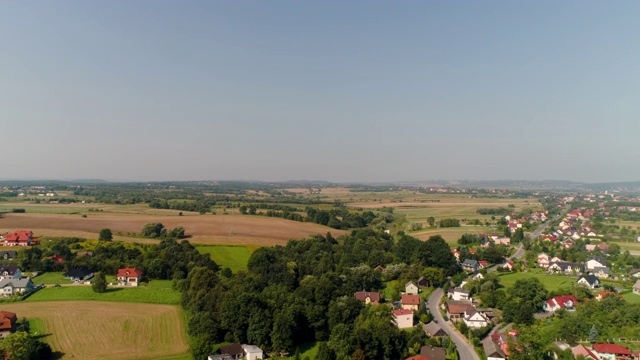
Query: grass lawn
x=307, y=349
x=157, y=292
x=233, y=257
x=550, y=282
x=51, y=278
x=631, y=298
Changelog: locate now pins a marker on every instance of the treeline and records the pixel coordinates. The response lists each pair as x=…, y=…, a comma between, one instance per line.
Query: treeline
x=304, y=292
x=167, y=260
x=340, y=218
x=449, y=222
x=494, y=211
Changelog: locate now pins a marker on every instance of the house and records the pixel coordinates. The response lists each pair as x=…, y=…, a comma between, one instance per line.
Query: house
x=636, y=287
x=594, y=262
x=7, y=323
x=8, y=255
x=368, y=297
x=611, y=351
x=635, y=273
x=410, y=302
x=79, y=274
x=502, y=241
x=470, y=265
x=601, y=272
x=509, y=265
x=252, y=352
x=232, y=351
x=483, y=264
x=458, y=293
x=411, y=288
x=456, y=309
x=555, y=259
x=492, y=350
x=565, y=267
x=84, y=253
x=549, y=238
x=584, y=351
x=9, y=287
x=589, y=281
x=477, y=276
x=543, y=260
x=474, y=319
x=403, y=318
x=456, y=254
x=433, y=353
x=560, y=302
x=602, y=294
x=57, y=259
x=10, y=272
x=422, y=282
x=417, y=357
x=433, y=330
x=19, y=238
x=129, y=276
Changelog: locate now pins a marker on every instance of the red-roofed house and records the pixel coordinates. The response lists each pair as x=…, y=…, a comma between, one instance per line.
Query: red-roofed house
x=368, y=297
x=7, y=323
x=549, y=238
x=483, y=264
x=417, y=357
x=508, y=265
x=129, y=276
x=410, y=302
x=582, y=350
x=19, y=238
x=403, y=318
x=602, y=294
x=611, y=351
x=560, y=302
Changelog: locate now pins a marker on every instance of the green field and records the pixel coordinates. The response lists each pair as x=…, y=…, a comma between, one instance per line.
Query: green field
x=631, y=298
x=307, y=350
x=157, y=292
x=550, y=282
x=51, y=278
x=233, y=257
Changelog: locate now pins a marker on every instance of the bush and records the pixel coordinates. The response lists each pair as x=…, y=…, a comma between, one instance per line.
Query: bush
x=18, y=210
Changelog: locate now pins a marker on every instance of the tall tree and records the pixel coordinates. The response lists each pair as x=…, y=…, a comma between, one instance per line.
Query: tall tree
x=105, y=235
x=99, y=283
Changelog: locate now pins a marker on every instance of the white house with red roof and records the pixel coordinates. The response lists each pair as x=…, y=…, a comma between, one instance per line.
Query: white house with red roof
x=129, y=276
x=543, y=260
x=509, y=265
x=584, y=351
x=556, y=303
x=19, y=238
x=611, y=352
x=403, y=318
x=474, y=319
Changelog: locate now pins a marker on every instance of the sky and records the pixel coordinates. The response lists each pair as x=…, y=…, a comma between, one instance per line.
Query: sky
x=343, y=91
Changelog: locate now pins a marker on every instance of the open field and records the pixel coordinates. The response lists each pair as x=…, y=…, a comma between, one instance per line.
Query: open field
x=203, y=229
x=107, y=330
x=51, y=278
x=233, y=257
x=451, y=235
x=550, y=282
x=156, y=292
x=631, y=298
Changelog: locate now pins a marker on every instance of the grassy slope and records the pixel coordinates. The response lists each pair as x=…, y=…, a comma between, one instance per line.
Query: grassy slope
x=550, y=282
x=157, y=292
x=233, y=257
x=51, y=278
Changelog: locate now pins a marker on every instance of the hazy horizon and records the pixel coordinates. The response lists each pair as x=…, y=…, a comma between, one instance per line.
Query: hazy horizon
x=336, y=91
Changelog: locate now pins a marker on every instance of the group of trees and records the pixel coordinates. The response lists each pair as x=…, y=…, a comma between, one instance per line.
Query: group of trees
x=304, y=292
x=21, y=345
x=338, y=218
x=157, y=230
x=449, y=222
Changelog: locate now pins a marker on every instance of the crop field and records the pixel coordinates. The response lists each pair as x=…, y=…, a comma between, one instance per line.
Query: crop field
x=156, y=292
x=550, y=282
x=233, y=257
x=203, y=229
x=107, y=330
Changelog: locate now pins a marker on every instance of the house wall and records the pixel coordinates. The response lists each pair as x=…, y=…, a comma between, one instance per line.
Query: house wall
x=411, y=290
x=636, y=291
x=404, y=321
x=254, y=355
x=410, y=307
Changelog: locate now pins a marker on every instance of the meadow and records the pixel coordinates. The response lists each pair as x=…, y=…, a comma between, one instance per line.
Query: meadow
x=51, y=278
x=108, y=330
x=233, y=257
x=550, y=282
x=156, y=292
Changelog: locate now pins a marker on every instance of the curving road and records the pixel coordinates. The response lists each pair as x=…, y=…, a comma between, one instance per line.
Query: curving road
x=465, y=349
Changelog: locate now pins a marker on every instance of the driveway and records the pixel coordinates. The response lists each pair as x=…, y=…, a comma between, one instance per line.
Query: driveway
x=465, y=349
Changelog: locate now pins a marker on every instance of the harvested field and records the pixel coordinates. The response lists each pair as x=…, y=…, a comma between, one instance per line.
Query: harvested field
x=109, y=330
x=204, y=229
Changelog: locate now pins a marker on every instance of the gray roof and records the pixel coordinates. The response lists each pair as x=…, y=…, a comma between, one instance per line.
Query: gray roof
x=603, y=269
x=599, y=259
x=564, y=265
x=470, y=262
x=432, y=329
x=491, y=348
x=15, y=283
x=637, y=285
x=590, y=279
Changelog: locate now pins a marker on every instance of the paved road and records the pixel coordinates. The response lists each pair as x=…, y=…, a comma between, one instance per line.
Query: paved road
x=465, y=349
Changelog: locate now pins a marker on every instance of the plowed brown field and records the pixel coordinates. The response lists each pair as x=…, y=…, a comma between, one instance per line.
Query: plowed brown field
x=108, y=330
x=205, y=229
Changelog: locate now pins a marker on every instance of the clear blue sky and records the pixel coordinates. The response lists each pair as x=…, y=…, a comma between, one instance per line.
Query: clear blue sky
x=326, y=90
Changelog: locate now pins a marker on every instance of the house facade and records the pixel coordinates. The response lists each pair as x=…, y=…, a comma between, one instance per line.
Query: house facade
x=410, y=302
x=10, y=287
x=10, y=272
x=470, y=265
x=129, y=277
x=252, y=352
x=636, y=288
x=403, y=318
x=458, y=293
x=589, y=281
x=411, y=288
x=366, y=297
x=594, y=262
x=474, y=319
